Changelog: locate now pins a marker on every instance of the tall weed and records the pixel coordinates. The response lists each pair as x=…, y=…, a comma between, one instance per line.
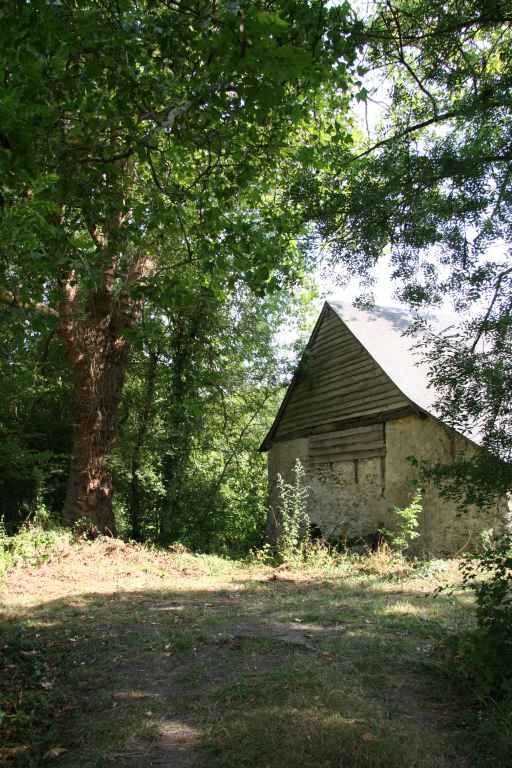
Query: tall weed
x=405, y=529
x=291, y=514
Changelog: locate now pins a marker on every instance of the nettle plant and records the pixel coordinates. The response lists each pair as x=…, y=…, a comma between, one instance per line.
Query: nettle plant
x=291, y=513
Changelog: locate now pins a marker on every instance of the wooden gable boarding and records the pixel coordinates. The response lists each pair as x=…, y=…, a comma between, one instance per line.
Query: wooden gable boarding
x=347, y=444
x=339, y=397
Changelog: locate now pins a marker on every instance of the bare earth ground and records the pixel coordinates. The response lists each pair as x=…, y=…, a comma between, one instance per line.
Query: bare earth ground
x=113, y=655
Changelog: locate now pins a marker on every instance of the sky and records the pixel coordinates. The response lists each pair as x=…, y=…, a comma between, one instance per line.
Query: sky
x=369, y=117
x=383, y=289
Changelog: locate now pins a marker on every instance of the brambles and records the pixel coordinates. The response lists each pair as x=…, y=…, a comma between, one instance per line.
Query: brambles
x=31, y=546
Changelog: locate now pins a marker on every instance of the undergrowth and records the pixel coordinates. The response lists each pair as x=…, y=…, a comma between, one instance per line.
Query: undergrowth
x=484, y=652
x=480, y=657
x=32, y=545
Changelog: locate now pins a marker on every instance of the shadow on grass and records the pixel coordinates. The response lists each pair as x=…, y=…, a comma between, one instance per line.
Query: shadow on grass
x=269, y=674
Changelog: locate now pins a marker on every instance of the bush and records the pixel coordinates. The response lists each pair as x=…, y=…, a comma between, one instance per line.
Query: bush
x=5, y=556
x=486, y=652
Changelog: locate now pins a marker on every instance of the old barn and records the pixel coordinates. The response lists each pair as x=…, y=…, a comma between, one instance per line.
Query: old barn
x=357, y=408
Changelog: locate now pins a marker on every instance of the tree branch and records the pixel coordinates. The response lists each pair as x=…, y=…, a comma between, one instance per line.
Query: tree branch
x=496, y=293
x=236, y=449
x=12, y=299
x=403, y=61
x=405, y=132
x=97, y=236
x=479, y=22
x=113, y=159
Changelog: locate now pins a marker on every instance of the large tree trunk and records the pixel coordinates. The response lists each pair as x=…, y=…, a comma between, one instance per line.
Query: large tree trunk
x=98, y=374
x=92, y=321
x=94, y=333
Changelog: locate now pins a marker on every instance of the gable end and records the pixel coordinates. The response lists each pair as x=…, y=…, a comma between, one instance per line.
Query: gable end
x=336, y=385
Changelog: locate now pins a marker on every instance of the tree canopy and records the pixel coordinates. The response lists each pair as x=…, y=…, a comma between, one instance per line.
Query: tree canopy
x=168, y=166
x=142, y=142
x=139, y=138
x=430, y=184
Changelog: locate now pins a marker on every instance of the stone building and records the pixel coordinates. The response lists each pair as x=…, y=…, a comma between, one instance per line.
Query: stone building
x=357, y=408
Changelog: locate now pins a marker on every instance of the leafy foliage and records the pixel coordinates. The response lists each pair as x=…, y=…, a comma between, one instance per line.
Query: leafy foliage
x=407, y=523
x=487, y=651
x=201, y=390
x=34, y=419
x=140, y=139
x=32, y=545
x=182, y=117
x=431, y=185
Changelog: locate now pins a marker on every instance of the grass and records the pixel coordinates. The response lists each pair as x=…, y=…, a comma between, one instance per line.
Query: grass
x=116, y=654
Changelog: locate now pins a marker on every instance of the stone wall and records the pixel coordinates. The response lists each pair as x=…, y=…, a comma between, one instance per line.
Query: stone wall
x=356, y=498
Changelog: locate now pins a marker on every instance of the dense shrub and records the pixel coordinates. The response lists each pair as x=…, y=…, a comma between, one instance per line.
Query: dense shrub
x=486, y=652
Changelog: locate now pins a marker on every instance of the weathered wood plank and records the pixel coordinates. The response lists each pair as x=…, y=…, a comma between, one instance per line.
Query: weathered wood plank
x=347, y=449
x=357, y=362
x=341, y=397
x=333, y=338
x=350, y=456
x=333, y=348
x=340, y=371
x=352, y=440
x=365, y=436
x=307, y=392
x=365, y=377
x=360, y=409
x=365, y=429
x=372, y=437
x=343, y=447
x=338, y=381
x=375, y=405
x=307, y=397
x=380, y=417
x=329, y=332
x=331, y=323
x=332, y=320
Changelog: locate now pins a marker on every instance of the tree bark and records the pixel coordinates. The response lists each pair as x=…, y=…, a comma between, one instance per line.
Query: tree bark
x=98, y=377
x=94, y=334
